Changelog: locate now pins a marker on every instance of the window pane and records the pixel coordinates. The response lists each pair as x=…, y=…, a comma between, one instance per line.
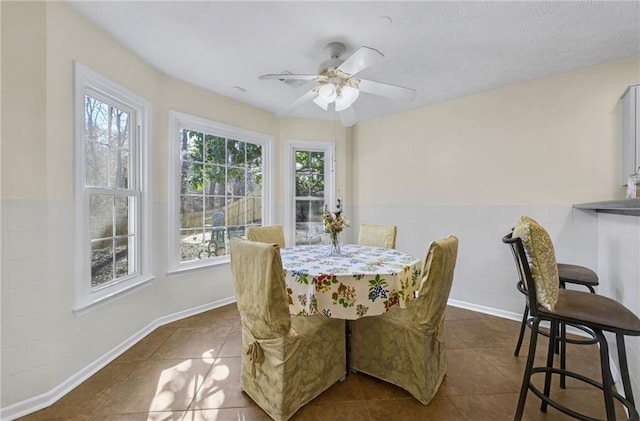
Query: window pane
x=214, y=179
x=122, y=216
x=101, y=211
x=215, y=149
x=192, y=177
x=191, y=145
x=119, y=168
x=235, y=153
x=119, y=128
x=192, y=244
x=316, y=185
x=302, y=185
x=302, y=161
x=101, y=262
x=309, y=233
x=254, y=210
x=191, y=211
x=302, y=211
x=122, y=256
x=316, y=162
x=316, y=208
x=96, y=163
x=254, y=156
x=254, y=183
x=236, y=211
x=235, y=181
x=96, y=121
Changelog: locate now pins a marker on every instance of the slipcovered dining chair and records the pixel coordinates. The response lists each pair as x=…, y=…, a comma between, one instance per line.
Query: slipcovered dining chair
x=286, y=360
x=537, y=268
x=406, y=346
x=378, y=235
x=273, y=234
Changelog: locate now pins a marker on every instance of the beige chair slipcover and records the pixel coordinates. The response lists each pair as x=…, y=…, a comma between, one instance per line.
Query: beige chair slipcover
x=287, y=360
x=378, y=236
x=406, y=346
x=273, y=234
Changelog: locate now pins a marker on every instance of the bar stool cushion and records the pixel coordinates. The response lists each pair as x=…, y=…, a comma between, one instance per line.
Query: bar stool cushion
x=596, y=310
x=576, y=274
x=544, y=267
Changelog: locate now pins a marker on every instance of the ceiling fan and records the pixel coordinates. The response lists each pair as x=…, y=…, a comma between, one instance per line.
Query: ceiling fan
x=337, y=87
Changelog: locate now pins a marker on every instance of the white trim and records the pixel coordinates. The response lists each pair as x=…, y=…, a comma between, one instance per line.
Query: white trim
x=35, y=403
x=328, y=147
x=86, y=79
x=486, y=310
x=178, y=120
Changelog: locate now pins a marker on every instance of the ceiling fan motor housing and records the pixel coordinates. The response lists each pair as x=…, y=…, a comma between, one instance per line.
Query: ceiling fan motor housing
x=334, y=50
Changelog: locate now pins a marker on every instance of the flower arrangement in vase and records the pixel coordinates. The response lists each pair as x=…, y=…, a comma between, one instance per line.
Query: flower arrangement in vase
x=334, y=223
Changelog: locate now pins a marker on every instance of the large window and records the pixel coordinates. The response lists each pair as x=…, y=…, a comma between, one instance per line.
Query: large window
x=311, y=184
x=219, y=180
x=112, y=200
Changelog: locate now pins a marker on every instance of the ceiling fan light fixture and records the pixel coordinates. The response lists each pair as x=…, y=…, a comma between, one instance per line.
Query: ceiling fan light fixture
x=328, y=93
x=348, y=95
x=321, y=102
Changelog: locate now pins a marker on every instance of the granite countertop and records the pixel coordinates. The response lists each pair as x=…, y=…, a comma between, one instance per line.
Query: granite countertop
x=620, y=207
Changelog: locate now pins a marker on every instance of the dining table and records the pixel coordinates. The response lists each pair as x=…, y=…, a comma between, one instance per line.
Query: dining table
x=362, y=281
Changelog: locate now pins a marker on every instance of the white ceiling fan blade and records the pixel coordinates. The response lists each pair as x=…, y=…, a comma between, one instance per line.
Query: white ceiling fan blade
x=360, y=60
x=304, y=98
x=285, y=76
x=387, y=90
x=348, y=117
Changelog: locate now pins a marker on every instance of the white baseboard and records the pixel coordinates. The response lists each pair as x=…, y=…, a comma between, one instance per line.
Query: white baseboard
x=486, y=310
x=48, y=398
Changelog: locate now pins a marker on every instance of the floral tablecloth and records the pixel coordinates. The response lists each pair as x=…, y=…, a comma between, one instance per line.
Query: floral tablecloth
x=364, y=281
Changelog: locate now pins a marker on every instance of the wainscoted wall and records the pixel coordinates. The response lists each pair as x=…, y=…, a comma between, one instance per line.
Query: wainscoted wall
x=485, y=274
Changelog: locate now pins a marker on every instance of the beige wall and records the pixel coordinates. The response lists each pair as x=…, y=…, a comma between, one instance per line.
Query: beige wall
x=40, y=42
x=24, y=100
x=553, y=140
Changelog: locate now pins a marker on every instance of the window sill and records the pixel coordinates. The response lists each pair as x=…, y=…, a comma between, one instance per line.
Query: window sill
x=89, y=305
x=199, y=265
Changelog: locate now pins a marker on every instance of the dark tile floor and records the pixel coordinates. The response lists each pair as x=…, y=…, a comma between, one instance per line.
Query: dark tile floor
x=189, y=370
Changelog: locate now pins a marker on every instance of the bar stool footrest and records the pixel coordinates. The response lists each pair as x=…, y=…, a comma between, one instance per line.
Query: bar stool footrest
x=633, y=413
x=591, y=341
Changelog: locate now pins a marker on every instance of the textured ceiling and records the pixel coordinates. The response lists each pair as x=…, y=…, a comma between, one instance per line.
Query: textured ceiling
x=444, y=50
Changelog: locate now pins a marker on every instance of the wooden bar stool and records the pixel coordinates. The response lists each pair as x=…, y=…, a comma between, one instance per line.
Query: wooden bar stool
x=591, y=311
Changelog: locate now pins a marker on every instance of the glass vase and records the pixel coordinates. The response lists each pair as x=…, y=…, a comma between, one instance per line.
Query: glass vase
x=334, y=244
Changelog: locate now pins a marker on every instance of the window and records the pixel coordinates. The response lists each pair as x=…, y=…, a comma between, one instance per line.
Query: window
x=112, y=188
x=311, y=184
x=219, y=184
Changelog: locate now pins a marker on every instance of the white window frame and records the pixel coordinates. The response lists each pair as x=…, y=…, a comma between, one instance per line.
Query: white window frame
x=178, y=120
x=330, y=178
x=90, y=82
